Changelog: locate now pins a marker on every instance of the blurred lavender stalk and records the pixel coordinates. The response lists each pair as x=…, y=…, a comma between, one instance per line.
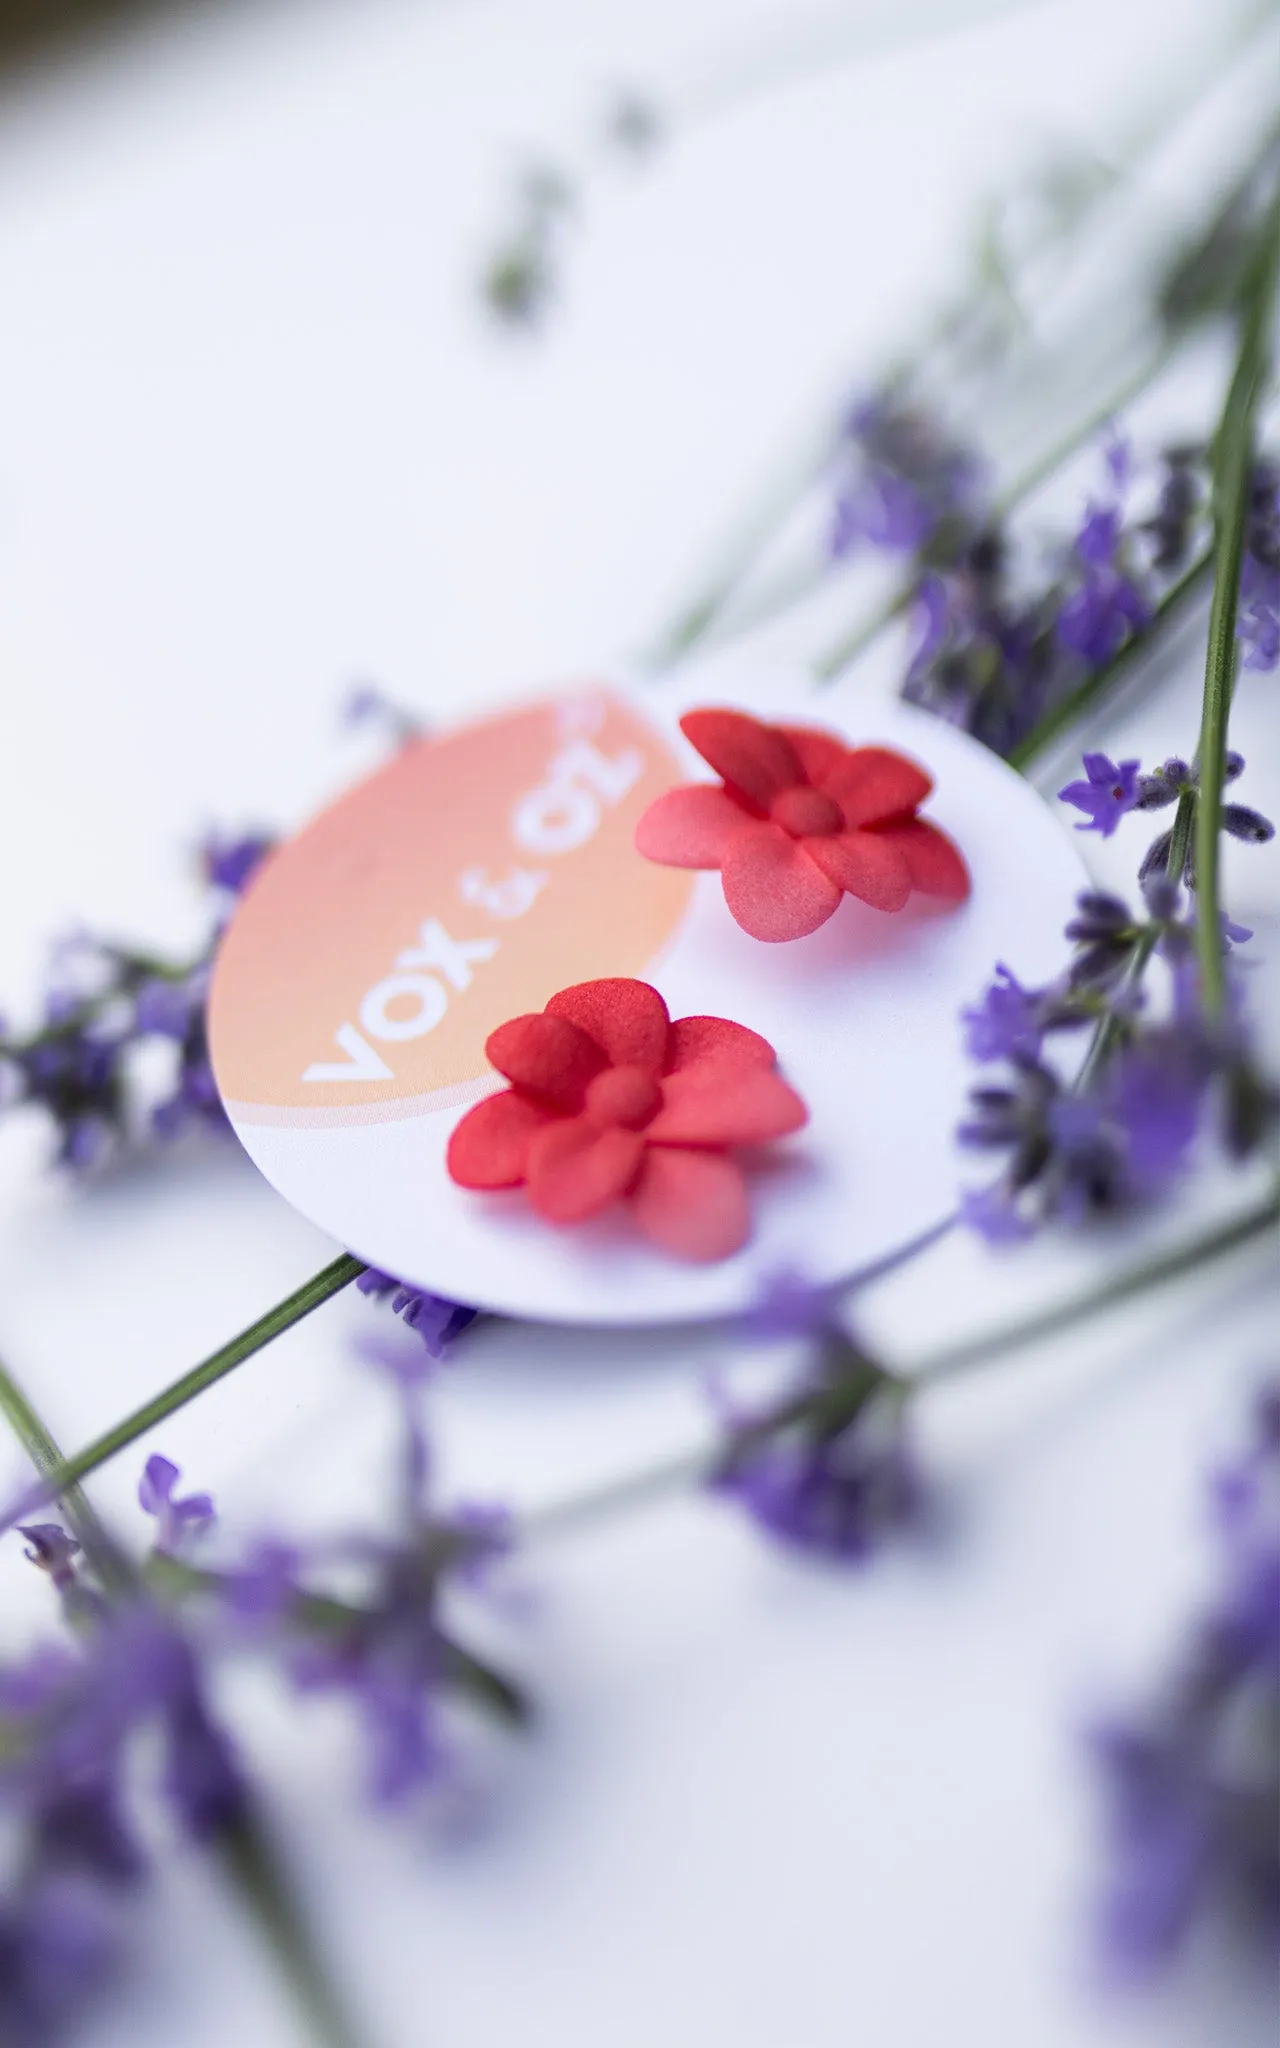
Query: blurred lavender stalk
x=1192, y=1785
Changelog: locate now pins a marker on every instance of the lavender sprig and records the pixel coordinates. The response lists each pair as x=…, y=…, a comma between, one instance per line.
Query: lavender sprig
x=432, y=1317
x=104, y=1000
x=827, y=1467
x=388, y=1652
x=1123, y=1132
x=68, y=1717
x=63, y=1474
x=1234, y=477
x=1192, y=1785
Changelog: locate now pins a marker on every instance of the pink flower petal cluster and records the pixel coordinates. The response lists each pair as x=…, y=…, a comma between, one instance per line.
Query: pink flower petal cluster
x=610, y=1101
x=798, y=821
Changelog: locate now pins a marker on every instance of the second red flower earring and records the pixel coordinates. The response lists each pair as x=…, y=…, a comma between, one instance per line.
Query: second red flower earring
x=799, y=820
x=610, y=1102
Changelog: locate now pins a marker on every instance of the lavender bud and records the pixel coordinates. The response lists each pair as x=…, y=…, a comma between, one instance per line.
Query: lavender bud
x=1164, y=785
x=1243, y=823
x=1155, y=861
x=1250, y=1109
x=1162, y=896
x=1098, y=916
x=52, y=1551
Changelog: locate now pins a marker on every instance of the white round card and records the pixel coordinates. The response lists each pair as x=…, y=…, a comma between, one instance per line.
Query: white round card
x=479, y=872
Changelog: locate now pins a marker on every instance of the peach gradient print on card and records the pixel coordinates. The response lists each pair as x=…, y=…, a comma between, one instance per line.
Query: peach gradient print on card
x=464, y=882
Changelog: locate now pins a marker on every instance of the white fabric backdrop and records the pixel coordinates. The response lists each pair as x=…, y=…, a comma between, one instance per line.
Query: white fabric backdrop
x=257, y=442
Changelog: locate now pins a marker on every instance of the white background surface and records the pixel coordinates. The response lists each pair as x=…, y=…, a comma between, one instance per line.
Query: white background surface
x=257, y=442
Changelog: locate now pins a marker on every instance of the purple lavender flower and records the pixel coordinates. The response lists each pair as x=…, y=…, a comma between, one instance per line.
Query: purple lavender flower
x=1174, y=779
x=838, y=1497
x=162, y=1009
x=1117, y=454
x=1074, y=1153
x=931, y=622
x=387, y=1652
x=833, y=1487
x=885, y=511
x=391, y=1657
x=228, y=864
x=201, y=1777
x=178, y=1520
x=1062, y=1147
x=261, y=1589
x=1104, y=933
x=58, y=1944
x=53, y=1550
x=1110, y=789
x=1258, y=621
x=1009, y=1022
x=1172, y=525
x=1156, y=1094
x=983, y=660
x=367, y=705
x=1104, y=611
x=1165, y=784
x=1106, y=606
x=73, y=1718
x=73, y=1069
x=825, y=1467
x=176, y=1010
x=103, y=999
x=431, y=1316
x=1193, y=1786
x=788, y=1305
x=904, y=480
x=1243, y=822
x=993, y=1213
x=1099, y=537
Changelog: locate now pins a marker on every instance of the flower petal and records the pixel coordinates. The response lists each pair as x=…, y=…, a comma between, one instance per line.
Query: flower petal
x=873, y=783
x=714, y=1043
x=689, y=827
x=710, y=1107
x=772, y=887
x=820, y=752
x=547, y=1055
x=489, y=1148
x=628, y=1019
x=757, y=759
x=866, y=865
x=935, y=865
x=576, y=1169
x=692, y=1204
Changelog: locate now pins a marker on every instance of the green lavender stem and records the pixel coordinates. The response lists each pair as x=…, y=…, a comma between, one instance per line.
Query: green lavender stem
x=174, y=1578
x=65, y=1472
x=1110, y=1025
x=1185, y=1258
x=250, y=1861
x=1232, y=471
x=695, y=1467
x=89, y=1531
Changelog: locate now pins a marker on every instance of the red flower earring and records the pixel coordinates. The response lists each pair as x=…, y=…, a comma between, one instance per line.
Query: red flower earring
x=610, y=1101
x=798, y=821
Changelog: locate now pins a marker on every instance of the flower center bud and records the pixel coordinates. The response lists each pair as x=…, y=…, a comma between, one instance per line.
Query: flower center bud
x=807, y=813
x=623, y=1095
